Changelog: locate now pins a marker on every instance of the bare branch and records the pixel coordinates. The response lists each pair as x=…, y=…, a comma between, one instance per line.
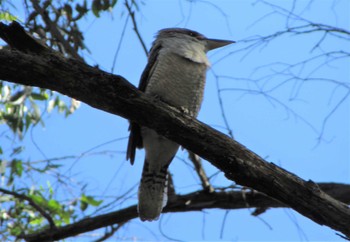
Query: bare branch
x=132, y=15
x=196, y=160
x=221, y=104
x=110, y=233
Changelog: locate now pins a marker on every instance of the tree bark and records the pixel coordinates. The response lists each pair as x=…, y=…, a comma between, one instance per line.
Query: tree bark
x=115, y=95
x=196, y=201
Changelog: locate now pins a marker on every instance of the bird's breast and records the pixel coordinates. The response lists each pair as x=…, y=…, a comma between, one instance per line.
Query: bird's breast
x=178, y=81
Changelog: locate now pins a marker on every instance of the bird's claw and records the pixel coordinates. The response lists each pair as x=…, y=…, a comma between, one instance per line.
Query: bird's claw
x=186, y=111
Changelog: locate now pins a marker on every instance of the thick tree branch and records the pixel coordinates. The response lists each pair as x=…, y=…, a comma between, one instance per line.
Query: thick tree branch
x=115, y=95
x=196, y=201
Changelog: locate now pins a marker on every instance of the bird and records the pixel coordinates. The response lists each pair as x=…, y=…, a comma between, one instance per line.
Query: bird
x=175, y=74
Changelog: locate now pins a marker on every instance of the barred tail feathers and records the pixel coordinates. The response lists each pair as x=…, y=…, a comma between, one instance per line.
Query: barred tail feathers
x=152, y=193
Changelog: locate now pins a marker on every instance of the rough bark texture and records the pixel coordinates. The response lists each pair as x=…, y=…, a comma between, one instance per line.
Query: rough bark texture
x=115, y=95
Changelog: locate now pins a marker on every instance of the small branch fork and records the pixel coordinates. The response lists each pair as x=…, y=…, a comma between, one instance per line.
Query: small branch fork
x=196, y=160
x=55, y=32
x=33, y=204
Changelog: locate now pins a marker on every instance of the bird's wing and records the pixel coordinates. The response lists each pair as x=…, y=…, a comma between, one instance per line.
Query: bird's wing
x=147, y=73
x=135, y=141
x=135, y=138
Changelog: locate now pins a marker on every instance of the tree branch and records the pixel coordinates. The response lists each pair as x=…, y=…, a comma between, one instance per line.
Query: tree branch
x=115, y=95
x=33, y=204
x=55, y=32
x=196, y=201
x=196, y=160
x=132, y=15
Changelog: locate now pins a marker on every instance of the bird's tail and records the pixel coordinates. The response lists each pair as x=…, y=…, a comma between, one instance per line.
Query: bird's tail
x=152, y=192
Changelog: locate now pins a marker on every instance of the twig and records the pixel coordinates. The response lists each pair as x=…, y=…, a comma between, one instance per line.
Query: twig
x=223, y=114
x=119, y=44
x=196, y=160
x=132, y=15
x=33, y=204
x=54, y=30
x=110, y=233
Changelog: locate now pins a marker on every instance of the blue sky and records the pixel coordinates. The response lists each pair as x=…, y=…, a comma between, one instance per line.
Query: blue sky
x=283, y=127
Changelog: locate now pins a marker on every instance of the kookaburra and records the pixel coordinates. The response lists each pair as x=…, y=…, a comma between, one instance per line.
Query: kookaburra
x=175, y=73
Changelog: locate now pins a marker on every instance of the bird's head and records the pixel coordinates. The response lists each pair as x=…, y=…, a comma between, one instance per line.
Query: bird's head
x=190, y=37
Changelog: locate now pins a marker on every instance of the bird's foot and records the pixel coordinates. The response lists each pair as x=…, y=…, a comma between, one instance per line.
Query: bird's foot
x=186, y=111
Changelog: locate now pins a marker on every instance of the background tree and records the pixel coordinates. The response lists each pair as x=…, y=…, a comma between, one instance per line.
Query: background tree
x=300, y=75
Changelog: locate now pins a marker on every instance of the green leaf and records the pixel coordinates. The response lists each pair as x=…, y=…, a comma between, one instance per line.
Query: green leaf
x=113, y=3
x=51, y=105
x=50, y=188
x=96, y=8
x=28, y=121
x=88, y=200
x=91, y=200
x=16, y=231
x=39, y=96
x=2, y=166
x=38, y=199
x=37, y=221
x=83, y=205
x=16, y=167
x=36, y=113
x=54, y=206
x=66, y=217
x=61, y=106
x=7, y=16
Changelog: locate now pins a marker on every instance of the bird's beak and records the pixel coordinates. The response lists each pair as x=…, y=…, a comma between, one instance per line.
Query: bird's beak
x=217, y=43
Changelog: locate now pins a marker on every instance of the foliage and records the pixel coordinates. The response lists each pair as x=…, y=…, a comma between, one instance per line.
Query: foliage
x=7, y=16
x=22, y=108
